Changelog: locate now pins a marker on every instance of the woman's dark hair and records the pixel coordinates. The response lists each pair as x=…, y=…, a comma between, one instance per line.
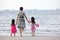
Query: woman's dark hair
x=13, y=21
x=32, y=19
x=21, y=8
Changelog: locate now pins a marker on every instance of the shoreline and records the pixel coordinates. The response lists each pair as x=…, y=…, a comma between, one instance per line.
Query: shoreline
x=30, y=38
x=27, y=34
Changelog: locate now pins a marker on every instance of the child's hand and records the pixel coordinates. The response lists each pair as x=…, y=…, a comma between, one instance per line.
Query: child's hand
x=29, y=21
x=37, y=25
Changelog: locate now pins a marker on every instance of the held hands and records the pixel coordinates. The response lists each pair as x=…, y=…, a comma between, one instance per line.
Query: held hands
x=29, y=21
x=37, y=25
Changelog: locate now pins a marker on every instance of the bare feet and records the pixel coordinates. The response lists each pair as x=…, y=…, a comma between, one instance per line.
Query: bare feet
x=33, y=35
x=21, y=35
x=11, y=35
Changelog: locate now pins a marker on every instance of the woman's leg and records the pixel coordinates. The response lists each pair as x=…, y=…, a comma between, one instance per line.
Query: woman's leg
x=21, y=30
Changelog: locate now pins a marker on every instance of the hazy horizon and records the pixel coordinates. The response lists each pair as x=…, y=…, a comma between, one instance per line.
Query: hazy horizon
x=29, y=4
x=31, y=9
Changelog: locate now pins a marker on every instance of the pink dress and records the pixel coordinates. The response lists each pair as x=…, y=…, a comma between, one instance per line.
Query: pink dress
x=33, y=28
x=13, y=29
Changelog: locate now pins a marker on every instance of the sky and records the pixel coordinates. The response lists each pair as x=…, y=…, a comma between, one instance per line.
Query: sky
x=29, y=4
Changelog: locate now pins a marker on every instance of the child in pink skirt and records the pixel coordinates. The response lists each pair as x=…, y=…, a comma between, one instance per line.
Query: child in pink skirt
x=33, y=24
x=13, y=27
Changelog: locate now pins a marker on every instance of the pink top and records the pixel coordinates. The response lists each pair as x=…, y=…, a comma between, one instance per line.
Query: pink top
x=13, y=29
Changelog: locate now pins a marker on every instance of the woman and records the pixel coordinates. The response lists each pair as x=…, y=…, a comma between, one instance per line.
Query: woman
x=21, y=21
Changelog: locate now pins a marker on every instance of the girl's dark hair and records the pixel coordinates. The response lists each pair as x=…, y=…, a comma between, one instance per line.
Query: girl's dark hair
x=13, y=21
x=32, y=19
x=21, y=8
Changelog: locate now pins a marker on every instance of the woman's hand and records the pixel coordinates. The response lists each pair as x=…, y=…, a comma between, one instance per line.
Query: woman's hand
x=16, y=22
x=29, y=21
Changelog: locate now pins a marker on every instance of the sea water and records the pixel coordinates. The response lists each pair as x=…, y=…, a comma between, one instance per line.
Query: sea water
x=48, y=20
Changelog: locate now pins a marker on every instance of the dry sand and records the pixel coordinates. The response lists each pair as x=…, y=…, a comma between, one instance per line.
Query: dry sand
x=30, y=38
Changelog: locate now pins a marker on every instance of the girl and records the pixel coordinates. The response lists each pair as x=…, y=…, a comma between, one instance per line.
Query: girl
x=33, y=24
x=13, y=27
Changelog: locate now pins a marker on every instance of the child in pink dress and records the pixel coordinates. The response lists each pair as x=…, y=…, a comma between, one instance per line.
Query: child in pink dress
x=13, y=28
x=33, y=24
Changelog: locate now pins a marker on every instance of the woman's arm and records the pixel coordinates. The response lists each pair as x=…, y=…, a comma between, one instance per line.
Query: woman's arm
x=16, y=19
x=25, y=17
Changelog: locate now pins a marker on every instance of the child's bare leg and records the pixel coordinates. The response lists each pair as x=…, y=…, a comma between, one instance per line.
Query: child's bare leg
x=14, y=34
x=33, y=33
x=11, y=34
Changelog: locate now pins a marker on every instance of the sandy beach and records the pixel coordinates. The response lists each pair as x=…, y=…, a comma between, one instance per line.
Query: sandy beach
x=30, y=38
x=45, y=36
